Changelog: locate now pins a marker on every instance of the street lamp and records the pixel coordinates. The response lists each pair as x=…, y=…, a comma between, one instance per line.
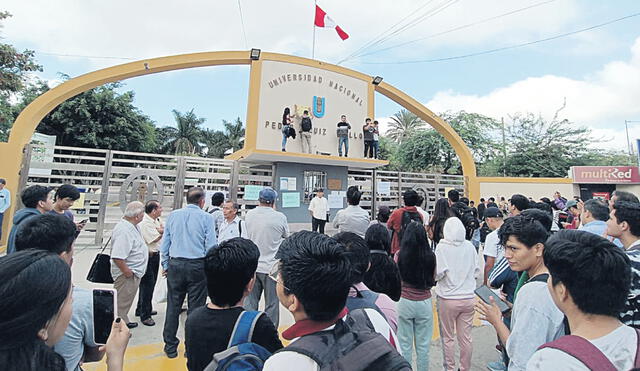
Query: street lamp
x=626, y=126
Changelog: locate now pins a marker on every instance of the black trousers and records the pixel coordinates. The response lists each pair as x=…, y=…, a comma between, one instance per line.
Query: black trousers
x=147, y=284
x=368, y=148
x=318, y=224
x=185, y=277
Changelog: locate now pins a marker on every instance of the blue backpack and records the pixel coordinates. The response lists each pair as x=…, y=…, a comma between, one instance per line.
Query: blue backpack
x=241, y=354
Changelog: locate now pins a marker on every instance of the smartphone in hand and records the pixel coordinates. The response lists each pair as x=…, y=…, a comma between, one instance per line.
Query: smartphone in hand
x=104, y=313
x=484, y=293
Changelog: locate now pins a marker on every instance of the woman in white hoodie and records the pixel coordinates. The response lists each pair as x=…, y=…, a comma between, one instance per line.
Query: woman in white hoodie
x=456, y=272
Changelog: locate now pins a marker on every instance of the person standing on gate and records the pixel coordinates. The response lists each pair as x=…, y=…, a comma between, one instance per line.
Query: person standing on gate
x=216, y=210
x=5, y=201
x=267, y=228
x=318, y=208
x=232, y=226
x=152, y=230
x=367, y=131
x=188, y=234
x=401, y=217
x=376, y=139
x=129, y=258
x=287, y=122
x=305, y=132
x=343, y=136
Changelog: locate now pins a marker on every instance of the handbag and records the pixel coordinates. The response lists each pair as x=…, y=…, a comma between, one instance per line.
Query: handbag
x=100, y=271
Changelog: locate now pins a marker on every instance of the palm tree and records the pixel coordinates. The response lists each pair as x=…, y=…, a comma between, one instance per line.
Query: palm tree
x=234, y=132
x=403, y=124
x=185, y=138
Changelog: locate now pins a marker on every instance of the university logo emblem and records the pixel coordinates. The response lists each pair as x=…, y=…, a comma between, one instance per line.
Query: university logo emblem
x=318, y=106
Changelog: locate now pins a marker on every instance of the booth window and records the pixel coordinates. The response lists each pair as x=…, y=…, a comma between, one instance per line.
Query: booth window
x=312, y=181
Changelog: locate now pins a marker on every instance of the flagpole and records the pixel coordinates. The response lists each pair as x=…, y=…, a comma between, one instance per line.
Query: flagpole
x=313, y=48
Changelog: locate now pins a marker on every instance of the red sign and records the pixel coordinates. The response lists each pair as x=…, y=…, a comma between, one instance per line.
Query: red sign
x=605, y=174
x=601, y=195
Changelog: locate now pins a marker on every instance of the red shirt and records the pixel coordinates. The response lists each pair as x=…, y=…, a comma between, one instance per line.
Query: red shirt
x=395, y=223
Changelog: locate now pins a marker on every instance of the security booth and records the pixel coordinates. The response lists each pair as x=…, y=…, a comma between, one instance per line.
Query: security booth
x=301, y=168
x=602, y=181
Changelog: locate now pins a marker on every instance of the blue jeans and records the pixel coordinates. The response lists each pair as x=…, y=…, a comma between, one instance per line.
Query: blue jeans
x=345, y=141
x=376, y=148
x=284, y=141
x=415, y=327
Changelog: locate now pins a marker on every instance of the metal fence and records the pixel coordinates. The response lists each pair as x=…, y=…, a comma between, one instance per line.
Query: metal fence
x=109, y=179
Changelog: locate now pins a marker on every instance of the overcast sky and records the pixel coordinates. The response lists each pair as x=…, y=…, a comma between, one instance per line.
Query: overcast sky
x=597, y=72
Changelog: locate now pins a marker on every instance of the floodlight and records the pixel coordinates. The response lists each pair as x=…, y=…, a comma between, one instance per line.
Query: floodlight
x=255, y=54
x=377, y=80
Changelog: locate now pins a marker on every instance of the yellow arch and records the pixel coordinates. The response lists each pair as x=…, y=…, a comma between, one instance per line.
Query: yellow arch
x=27, y=121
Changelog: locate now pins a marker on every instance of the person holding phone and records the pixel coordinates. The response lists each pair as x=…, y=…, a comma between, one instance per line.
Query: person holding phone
x=65, y=196
x=535, y=319
x=35, y=319
x=55, y=234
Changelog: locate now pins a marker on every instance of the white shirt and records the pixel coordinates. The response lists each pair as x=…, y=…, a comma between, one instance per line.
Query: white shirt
x=127, y=244
x=456, y=270
x=285, y=360
x=319, y=206
x=149, y=230
x=267, y=228
x=425, y=215
x=352, y=219
x=535, y=320
x=619, y=346
x=492, y=246
x=229, y=230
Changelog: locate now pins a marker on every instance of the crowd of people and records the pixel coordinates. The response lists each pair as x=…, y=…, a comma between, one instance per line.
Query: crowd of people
x=567, y=272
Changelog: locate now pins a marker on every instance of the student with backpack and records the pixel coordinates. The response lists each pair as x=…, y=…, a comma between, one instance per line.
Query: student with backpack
x=589, y=283
x=305, y=131
x=313, y=279
x=400, y=218
x=360, y=296
x=535, y=319
x=456, y=272
x=212, y=329
x=417, y=264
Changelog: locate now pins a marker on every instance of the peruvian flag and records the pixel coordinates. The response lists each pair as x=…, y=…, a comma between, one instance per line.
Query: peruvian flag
x=323, y=20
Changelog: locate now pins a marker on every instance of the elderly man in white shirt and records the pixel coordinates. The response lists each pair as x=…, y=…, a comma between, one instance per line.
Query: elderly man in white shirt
x=232, y=226
x=151, y=229
x=129, y=257
x=319, y=208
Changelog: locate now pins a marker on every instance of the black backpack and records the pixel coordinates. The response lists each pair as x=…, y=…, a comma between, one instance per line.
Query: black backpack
x=351, y=345
x=467, y=217
x=407, y=218
x=305, y=124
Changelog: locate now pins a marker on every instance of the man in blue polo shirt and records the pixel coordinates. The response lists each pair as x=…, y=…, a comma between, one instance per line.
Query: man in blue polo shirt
x=594, y=215
x=188, y=234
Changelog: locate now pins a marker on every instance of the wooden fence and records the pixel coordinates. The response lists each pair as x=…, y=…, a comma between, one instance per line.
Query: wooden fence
x=107, y=179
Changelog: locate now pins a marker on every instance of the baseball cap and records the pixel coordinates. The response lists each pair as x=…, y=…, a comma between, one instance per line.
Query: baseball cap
x=492, y=212
x=268, y=195
x=570, y=204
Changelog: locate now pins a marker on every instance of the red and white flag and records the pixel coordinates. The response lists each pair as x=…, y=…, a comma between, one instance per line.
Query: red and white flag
x=323, y=20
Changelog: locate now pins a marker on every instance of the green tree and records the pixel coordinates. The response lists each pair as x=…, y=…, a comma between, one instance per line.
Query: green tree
x=217, y=143
x=403, y=124
x=420, y=152
x=184, y=139
x=101, y=118
x=234, y=133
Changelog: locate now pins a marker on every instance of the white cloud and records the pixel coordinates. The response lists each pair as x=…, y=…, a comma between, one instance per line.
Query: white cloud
x=145, y=28
x=602, y=100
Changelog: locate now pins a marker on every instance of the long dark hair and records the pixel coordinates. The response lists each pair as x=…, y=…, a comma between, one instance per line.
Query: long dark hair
x=441, y=212
x=33, y=286
x=383, y=276
x=285, y=116
x=417, y=263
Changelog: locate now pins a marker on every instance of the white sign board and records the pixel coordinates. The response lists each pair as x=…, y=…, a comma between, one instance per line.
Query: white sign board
x=384, y=188
x=42, y=153
x=327, y=94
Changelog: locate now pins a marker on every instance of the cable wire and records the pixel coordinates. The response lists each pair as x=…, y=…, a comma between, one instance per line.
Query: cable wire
x=456, y=28
x=244, y=34
x=510, y=46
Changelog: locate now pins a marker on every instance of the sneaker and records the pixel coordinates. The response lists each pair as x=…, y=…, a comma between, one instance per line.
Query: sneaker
x=496, y=366
x=171, y=354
